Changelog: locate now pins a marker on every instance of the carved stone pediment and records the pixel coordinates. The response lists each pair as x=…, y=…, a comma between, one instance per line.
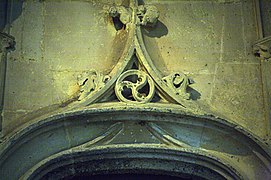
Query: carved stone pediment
x=135, y=63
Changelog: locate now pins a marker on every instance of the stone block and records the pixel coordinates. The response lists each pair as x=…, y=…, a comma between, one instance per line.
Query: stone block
x=239, y=32
x=192, y=38
x=32, y=34
x=77, y=36
x=237, y=94
x=28, y=86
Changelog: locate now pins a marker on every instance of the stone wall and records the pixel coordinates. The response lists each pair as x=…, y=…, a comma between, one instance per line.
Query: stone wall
x=211, y=41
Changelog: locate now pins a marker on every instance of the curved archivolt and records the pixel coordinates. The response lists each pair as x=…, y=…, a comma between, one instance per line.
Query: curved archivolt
x=134, y=128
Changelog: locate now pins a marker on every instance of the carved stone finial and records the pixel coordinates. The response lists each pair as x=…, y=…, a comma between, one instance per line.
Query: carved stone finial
x=148, y=15
x=7, y=43
x=178, y=82
x=121, y=12
x=135, y=86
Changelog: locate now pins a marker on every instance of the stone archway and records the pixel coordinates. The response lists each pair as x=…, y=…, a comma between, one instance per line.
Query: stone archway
x=110, y=140
x=133, y=160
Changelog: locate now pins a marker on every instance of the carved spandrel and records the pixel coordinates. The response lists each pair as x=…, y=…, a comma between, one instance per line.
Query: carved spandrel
x=147, y=81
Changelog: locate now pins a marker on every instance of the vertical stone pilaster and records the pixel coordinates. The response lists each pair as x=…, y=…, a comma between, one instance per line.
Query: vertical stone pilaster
x=7, y=44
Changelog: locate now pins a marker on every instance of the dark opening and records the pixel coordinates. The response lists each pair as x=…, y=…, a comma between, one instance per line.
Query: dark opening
x=129, y=177
x=144, y=91
x=127, y=93
x=132, y=78
x=117, y=23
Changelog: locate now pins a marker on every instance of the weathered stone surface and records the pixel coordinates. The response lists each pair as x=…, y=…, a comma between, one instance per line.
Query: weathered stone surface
x=239, y=85
x=77, y=41
x=190, y=37
x=19, y=94
x=32, y=31
x=53, y=48
x=199, y=93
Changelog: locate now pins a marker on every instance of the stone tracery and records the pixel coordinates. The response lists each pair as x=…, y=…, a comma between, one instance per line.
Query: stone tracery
x=139, y=83
x=144, y=15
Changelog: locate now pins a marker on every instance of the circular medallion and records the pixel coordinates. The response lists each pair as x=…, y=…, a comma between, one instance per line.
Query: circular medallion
x=135, y=86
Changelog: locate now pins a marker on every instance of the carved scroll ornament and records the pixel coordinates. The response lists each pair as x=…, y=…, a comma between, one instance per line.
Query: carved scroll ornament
x=178, y=82
x=89, y=82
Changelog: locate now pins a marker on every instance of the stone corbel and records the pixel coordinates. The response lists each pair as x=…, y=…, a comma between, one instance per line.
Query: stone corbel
x=262, y=49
